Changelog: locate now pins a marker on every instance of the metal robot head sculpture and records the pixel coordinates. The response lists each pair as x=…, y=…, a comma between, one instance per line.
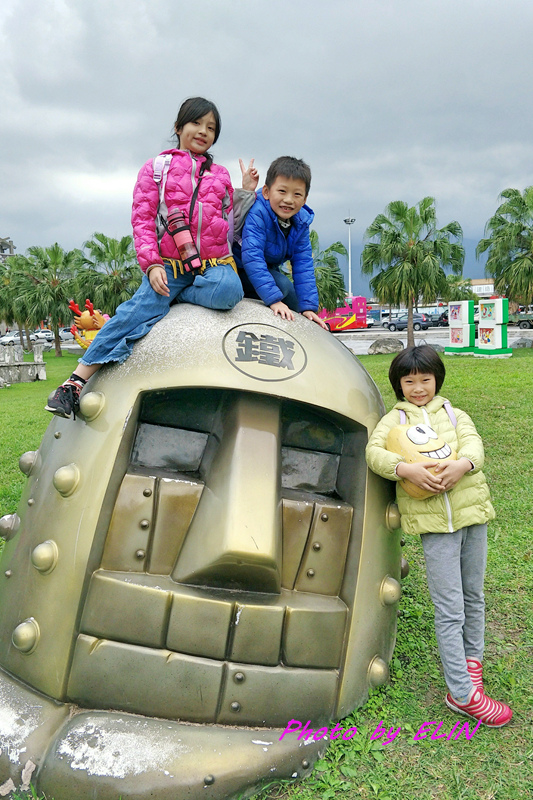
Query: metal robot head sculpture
x=199, y=558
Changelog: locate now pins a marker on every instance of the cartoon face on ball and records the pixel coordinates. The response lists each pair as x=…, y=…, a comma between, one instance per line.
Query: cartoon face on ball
x=418, y=443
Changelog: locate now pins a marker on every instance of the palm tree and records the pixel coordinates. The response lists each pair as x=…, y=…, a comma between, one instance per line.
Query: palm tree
x=10, y=310
x=47, y=279
x=458, y=288
x=111, y=273
x=509, y=241
x=328, y=276
x=410, y=254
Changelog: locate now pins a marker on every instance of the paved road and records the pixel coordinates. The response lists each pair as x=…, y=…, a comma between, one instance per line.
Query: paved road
x=359, y=341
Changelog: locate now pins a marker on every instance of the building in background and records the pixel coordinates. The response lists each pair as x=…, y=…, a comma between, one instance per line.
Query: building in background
x=483, y=287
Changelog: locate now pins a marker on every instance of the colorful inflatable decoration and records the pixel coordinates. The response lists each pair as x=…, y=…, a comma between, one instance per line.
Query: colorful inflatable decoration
x=198, y=560
x=86, y=323
x=418, y=443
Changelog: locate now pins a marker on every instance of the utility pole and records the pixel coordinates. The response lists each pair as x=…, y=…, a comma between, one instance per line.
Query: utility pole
x=6, y=248
x=349, y=221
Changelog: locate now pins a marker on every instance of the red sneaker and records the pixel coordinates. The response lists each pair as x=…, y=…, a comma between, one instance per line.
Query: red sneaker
x=475, y=670
x=491, y=712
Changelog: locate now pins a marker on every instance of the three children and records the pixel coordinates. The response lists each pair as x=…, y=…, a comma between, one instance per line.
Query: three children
x=452, y=521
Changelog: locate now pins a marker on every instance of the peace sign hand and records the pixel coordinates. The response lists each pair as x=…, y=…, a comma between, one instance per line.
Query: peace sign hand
x=250, y=176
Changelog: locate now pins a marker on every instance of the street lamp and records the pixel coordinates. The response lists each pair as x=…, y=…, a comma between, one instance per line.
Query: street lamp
x=349, y=221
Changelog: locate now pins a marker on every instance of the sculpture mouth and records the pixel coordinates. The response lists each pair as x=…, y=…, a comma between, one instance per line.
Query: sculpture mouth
x=223, y=582
x=442, y=452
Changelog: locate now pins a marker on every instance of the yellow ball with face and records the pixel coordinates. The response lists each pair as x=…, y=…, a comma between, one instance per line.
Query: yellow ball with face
x=418, y=443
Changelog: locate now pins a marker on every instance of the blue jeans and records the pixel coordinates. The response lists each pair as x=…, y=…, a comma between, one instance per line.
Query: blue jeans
x=455, y=569
x=219, y=288
x=284, y=284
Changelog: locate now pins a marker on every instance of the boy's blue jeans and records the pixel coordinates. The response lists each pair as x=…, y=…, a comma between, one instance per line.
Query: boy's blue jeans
x=219, y=288
x=455, y=569
x=284, y=284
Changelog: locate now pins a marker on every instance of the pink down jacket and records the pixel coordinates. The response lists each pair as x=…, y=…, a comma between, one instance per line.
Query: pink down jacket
x=209, y=224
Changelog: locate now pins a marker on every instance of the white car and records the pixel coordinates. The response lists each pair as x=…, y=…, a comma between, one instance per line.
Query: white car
x=370, y=321
x=66, y=335
x=44, y=334
x=13, y=338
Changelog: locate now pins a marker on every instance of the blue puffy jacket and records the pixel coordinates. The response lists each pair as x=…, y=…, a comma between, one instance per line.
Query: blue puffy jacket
x=264, y=245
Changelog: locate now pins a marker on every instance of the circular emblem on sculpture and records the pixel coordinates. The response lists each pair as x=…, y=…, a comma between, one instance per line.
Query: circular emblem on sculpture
x=264, y=352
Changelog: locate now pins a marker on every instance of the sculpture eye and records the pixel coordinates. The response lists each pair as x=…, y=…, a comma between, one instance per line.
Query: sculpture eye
x=421, y=434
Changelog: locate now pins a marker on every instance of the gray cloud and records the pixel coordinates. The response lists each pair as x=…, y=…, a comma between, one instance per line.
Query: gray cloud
x=386, y=100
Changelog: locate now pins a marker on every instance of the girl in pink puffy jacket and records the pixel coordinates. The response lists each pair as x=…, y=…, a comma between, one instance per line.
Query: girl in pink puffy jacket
x=185, y=178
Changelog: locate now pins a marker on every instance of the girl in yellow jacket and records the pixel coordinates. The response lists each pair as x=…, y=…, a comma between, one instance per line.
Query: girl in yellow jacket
x=451, y=517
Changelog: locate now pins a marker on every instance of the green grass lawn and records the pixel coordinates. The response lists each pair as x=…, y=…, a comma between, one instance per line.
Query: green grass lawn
x=495, y=764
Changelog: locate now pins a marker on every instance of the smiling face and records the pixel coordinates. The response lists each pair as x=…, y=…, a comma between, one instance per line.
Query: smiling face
x=199, y=135
x=286, y=196
x=419, y=387
x=418, y=443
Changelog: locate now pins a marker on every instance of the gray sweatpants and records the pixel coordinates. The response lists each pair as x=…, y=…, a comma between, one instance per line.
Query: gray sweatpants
x=455, y=569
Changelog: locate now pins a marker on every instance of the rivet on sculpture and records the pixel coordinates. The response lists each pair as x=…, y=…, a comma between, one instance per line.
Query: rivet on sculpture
x=44, y=557
x=204, y=558
x=27, y=461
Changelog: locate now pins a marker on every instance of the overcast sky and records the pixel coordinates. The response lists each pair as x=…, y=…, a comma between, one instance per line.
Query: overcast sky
x=385, y=99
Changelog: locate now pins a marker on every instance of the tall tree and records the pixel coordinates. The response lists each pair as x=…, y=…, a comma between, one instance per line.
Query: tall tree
x=458, y=288
x=47, y=276
x=110, y=273
x=409, y=254
x=11, y=311
x=328, y=275
x=509, y=242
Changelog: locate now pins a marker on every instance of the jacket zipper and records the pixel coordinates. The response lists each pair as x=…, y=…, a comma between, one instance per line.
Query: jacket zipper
x=446, y=498
x=194, y=185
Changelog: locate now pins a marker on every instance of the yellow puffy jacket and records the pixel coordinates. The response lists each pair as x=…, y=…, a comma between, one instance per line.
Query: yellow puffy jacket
x=468, y=503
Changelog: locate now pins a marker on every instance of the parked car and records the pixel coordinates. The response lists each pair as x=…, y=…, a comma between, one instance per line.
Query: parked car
x=524, y=319
x=433, y=319
x=370, y=321
x=44, y=334
x=13, y=337
x=66, y=335
x=420, y=322
x=385, y=322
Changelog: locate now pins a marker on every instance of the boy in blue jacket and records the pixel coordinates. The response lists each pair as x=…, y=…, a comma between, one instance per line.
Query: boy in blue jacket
x=276, y=230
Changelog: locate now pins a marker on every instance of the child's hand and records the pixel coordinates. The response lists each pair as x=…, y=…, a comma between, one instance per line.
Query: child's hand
x=451, y=472
x=250, y=176
x=315, y=318
x=419, y=474
x=159, y=281
x=282, y=310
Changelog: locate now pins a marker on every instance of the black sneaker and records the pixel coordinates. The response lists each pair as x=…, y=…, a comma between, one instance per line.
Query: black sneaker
x=64, y=401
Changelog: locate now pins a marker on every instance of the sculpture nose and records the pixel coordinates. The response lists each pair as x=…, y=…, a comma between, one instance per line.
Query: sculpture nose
x=235, y=538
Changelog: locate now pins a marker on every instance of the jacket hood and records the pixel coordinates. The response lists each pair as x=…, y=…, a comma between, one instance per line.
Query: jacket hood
x=305, y=215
